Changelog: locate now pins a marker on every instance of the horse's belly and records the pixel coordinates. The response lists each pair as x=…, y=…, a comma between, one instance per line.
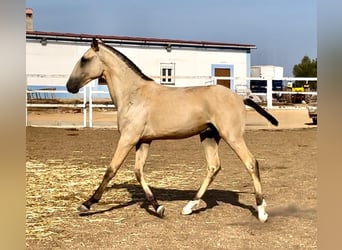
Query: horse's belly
x=165, y=127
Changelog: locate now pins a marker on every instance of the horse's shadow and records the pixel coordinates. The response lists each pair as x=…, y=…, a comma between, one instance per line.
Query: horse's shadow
x=211, y=198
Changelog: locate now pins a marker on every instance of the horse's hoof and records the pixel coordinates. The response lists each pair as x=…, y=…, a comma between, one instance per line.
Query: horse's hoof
x=160, y=211
x=262, y=215
x=83, y=209
x=187, y=210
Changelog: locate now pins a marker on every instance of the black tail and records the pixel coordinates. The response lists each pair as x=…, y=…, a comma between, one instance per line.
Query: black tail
x=261, y=111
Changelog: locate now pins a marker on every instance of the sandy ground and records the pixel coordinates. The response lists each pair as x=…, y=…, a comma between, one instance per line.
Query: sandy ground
x=65, y=165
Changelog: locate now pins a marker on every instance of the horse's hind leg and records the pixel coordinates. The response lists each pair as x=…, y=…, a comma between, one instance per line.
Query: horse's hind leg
x=123, y=148
x=140, y=158
x=252, y=165
x=210, y=140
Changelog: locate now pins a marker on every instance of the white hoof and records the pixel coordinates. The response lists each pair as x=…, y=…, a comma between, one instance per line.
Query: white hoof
x=83, y=209
x=187, y=210
x=160, y=211
x=262, y=215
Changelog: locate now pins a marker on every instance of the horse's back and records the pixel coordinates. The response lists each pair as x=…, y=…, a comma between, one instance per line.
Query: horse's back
x=197, y=93
x=215, y=98
x=205, y=99
x=182, y=112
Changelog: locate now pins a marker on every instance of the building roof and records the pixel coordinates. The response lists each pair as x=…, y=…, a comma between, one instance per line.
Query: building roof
x=126, y=40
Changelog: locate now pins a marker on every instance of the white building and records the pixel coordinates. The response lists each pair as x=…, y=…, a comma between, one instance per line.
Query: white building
x=50, y=58
x=267, y=72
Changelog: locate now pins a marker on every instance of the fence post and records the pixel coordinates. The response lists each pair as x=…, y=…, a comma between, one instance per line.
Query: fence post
x=26, y=104
x=269, y=93
x=84, y=107
x=91, y=104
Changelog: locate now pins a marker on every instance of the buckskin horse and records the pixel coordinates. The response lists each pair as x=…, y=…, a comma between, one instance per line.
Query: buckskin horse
x=148, y=111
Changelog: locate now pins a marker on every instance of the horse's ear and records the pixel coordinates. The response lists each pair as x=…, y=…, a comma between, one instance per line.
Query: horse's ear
x=95, y=44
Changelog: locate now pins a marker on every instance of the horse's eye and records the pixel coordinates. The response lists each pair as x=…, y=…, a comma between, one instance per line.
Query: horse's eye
x=84, y=60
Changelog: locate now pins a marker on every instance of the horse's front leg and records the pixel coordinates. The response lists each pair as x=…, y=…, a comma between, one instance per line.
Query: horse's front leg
x=140, y=159
x=125, y=144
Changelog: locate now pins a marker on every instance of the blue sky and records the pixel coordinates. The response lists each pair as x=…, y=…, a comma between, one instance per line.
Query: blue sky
x=283, y=30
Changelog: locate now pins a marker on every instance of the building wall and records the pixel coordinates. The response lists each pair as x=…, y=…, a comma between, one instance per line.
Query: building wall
x=267, y=71
x=52, y=63
x=192, y=67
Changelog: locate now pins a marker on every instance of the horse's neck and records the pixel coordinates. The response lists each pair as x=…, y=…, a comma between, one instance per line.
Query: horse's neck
x=123, y=83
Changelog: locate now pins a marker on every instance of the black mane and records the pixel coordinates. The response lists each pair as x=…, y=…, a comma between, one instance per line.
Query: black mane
x=129, y=63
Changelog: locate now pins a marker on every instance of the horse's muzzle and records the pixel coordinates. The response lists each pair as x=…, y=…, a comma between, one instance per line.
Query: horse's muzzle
x=72, y=88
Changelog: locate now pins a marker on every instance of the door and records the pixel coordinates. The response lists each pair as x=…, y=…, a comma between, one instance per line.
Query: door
x=222, y=71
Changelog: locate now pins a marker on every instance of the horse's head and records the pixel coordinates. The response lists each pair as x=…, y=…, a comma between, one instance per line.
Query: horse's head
x=88, y=68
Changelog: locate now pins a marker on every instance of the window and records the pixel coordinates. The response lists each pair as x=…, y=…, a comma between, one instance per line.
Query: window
x=167, y=73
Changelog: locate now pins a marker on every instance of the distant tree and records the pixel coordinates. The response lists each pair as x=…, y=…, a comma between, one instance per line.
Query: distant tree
x=306, y=68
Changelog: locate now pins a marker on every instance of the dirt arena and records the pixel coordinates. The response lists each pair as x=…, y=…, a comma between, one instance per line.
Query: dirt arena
x=64, y=166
